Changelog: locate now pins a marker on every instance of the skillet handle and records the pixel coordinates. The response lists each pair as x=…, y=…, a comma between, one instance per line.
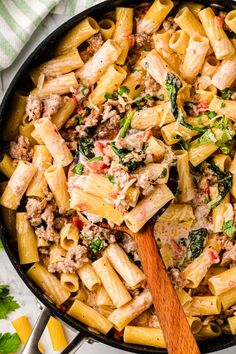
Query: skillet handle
x=32, y=344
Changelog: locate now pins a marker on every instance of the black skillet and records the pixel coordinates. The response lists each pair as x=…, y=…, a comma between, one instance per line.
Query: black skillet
x=21, y=81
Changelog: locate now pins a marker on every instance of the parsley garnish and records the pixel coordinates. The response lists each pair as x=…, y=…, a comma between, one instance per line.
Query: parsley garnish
x=94, y=159
x=1, y=245
x=78, y=169
x=226, y=93
x=120, y=92
x=9, y=343
x=211, y=114
x=97, y=245
x=7, y=303
x=112, y=179
x=229, y=228
x=208, y=136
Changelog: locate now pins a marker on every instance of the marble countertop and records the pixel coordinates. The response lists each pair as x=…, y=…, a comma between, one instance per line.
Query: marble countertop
x=8, y=275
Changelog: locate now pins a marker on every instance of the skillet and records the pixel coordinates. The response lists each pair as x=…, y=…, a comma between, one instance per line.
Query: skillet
x=22, y=81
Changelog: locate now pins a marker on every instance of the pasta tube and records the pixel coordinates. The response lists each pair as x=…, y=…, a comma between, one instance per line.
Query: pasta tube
x=108, y=83
x=224, y=107
x=17, y=185
x=59, y=119
x=99, y=63
x=107, y=28
x=98, y=185
x=6, y=165
x=123, y=29
x=178, y=214
x=24, y=329
x=185, y=183
x=54, y=142
x=232, y=324
x=124, y=315
x=42, y=159
x=195, y=55
x=49, y=283
x=186, y=20
x=210, y=65
x=128, y=270
x=111, y=282
x=204, y=306
x=154, y=17
x=223, y=282
x=26, y=240
x=103, y=299
x=88, y=277
x=179, y=42
x=144, y=336
x=148, y=207
x=57, y=335
x=59, y=85
x=60, y=65
x=230, y=20
x=70, y=282
x=225, y=73
x=196, y=271
x=157, y=67
x=77, y=35
x=212, y=330
x=228, y=298
x=151, y=117
x=15, y=116
x=89, y=316
x=220, y=43
x=56, y=179
x=69, y=236
x=81, y=200
x=134, y=82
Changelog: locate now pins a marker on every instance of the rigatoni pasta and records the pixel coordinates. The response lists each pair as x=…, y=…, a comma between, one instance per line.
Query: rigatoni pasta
x=130, y=117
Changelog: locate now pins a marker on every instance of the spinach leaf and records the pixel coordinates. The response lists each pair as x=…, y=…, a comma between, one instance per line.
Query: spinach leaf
x=224, y=182
x=120, y=92
x=173, y=85
x=226, y=93
x=229, y=228
x=126, y=125
x=86, y=146
x=132, y=164
x=196, y=242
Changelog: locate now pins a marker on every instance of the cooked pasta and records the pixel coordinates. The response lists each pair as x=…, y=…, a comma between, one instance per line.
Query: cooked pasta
x=131, y=115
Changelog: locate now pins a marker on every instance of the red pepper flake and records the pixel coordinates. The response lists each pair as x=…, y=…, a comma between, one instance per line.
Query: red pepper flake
x=82, y=206
x=97, y=166
x=77, y=222
x=178, y=249
x=213, y=255
x=219, y=21
x=207, y=190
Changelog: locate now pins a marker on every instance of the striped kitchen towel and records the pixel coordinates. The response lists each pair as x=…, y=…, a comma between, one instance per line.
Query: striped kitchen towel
x=20, y=18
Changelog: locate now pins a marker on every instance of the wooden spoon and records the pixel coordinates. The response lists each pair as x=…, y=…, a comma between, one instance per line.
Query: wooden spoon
x=178, y=336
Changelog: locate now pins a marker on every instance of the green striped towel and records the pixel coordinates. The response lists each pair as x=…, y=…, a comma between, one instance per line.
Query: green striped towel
x=20, y=18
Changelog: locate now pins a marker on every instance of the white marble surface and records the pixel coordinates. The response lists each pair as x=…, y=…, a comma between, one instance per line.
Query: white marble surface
x=8, y=275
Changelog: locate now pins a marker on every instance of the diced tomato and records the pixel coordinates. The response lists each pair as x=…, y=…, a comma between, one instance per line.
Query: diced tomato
x=98, y=148
x=178, y=249
x=76, y=222
x=82, y=206
x=207, y=190
x=132, y=40
x=202, y=105
x=74, y=99
x=118, y=334
x=213, y=255
x=114, y=194
x=71, y=131
x=127, y=34
x=97, y=166
x=219, y=21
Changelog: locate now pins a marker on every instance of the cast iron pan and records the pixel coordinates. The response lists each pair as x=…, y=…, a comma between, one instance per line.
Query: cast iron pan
x=21, y=81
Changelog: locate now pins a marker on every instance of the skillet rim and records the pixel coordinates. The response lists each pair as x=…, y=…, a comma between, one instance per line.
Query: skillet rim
x=206, y=346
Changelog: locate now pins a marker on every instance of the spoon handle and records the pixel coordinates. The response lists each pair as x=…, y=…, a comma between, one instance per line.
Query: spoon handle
x=178, y=336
